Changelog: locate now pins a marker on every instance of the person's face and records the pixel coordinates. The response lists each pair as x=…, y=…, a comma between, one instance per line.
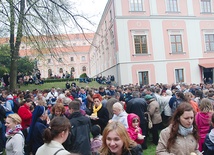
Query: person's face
x=114, y=142
x=57, y=112
x=97, y=102
x=116, y=111
x=135, y=123
x=10, y=123
x=28, y=104
x=187, y=118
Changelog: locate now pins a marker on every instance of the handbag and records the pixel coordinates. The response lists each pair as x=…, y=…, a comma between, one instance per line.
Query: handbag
x=149, y=121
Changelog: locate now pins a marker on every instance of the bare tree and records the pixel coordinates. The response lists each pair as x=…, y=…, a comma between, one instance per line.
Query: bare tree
x=40, y=22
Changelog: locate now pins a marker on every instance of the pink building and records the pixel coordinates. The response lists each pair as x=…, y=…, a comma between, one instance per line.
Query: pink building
x=71, y=55
x=155, y=41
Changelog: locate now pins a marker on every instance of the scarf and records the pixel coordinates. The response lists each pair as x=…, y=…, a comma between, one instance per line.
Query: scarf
x=12, y=132
x=95, y=110
x=184, y=131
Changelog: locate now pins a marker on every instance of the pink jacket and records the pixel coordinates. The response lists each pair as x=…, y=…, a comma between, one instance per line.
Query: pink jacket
x=131, y=130
x=202, y=120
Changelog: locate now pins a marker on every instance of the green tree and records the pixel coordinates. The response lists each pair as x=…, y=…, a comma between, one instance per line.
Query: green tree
x=25, y=65
x=5, y=56
x=41, y=22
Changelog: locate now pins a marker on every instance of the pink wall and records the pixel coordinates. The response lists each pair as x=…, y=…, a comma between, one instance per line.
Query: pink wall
x=182, y=8
x=207, y=26
x=170, y=67
x=175, y=25
x=143, y=67
x=140, y=25
x=197, y=9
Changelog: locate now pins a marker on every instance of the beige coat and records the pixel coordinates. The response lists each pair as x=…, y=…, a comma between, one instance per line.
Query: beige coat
x=154, y=111
x=183, y=145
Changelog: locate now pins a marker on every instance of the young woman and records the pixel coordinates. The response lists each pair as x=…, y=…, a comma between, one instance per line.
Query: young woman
x=15, y=138
x=54, y=136
x=181, y=136
x=116, y=141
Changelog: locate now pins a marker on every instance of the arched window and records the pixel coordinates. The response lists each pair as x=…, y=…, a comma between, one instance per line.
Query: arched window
x=50, y=72
x=60, y=70
x=83, y=68
x=72, y=69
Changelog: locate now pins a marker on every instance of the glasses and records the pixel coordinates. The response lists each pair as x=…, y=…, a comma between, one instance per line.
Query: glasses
x=135, y=121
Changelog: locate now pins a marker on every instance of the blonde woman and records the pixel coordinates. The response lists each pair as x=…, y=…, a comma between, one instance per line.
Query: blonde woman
x=116, y=141
x=15, y=138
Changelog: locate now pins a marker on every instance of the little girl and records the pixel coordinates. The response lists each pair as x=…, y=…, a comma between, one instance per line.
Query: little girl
x=134, y=131
x=96, y=142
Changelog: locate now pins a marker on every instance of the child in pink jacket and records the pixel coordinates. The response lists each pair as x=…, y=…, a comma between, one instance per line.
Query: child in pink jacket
x=134, y=130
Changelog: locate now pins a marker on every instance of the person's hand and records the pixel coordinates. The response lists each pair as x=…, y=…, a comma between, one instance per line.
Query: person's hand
x=137, y=129
x=140, y=137
x=48, y=120
x=110, y=121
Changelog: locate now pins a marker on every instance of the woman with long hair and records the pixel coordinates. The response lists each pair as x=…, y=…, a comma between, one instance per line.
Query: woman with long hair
x=181, y=136
x=116, y=141
x=54, y=136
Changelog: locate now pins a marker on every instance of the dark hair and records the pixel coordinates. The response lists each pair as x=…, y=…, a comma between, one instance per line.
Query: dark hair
x=95, y=130
x=57, y=125
x=184, y=106
x=212, y=119
x=75, y=105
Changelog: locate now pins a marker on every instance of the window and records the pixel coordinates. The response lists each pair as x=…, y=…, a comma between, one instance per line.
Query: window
x=209, y=42
x=60, y=60
x=110, y=14
x=83, y=68
x=176, y=43
x=172, y=5
x=206, y=6
x=83, y=58
x=72, y=69
x=49, y=60
x=136, y=5
x=143, y=78
x=140, y=42
x=72, y=58
x=50, y=73
x=179, y=75
x=60, y=70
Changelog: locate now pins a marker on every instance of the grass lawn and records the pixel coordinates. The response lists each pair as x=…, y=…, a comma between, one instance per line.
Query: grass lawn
x=61, y=85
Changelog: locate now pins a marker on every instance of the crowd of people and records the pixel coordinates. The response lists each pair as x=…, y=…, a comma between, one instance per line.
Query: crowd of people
x=121, y=120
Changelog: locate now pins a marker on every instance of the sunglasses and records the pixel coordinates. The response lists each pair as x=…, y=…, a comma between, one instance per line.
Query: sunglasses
x=135, y=121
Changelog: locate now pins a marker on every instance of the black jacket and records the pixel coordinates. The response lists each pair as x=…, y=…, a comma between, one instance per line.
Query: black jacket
x=79, y=139
x=2, y=114
x=208, y=145
x=103, y=116
x=137, y=150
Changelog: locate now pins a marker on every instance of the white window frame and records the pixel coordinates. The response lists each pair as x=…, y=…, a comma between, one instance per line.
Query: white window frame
x=140, y=33
x=138, y=79
x=83, y=58
x=184, y=75
x=142, y=2
x=207, y=32
x=176, y=32
x=178, y=7
x=211, y=7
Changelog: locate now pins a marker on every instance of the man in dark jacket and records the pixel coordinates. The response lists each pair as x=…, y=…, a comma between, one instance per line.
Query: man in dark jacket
x=79, y=139
x=138, y=106
x=2, y=117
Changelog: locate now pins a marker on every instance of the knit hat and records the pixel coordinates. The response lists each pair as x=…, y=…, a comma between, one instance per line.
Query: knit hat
x=148, y=97
x=95, y=130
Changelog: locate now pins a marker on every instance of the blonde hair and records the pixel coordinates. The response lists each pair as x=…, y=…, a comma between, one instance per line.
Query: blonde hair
x=206, y=105
x=15, y=118
x=119, y=128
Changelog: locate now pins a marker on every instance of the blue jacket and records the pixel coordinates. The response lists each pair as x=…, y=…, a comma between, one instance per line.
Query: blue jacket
x=209, y=144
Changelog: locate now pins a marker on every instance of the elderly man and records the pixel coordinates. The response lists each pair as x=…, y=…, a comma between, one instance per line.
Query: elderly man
x=119, y=114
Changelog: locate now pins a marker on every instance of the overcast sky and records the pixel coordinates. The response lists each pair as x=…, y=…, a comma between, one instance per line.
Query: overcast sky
x=93, y=8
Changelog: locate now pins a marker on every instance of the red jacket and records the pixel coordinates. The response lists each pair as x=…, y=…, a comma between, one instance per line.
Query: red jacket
x=26, y=116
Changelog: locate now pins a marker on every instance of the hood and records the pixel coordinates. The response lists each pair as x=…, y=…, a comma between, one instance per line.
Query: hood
x=130, y=117
x=9, y=97
x=204, y=118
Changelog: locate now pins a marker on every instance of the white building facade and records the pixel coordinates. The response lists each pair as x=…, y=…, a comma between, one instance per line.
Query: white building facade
x=155, y=41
